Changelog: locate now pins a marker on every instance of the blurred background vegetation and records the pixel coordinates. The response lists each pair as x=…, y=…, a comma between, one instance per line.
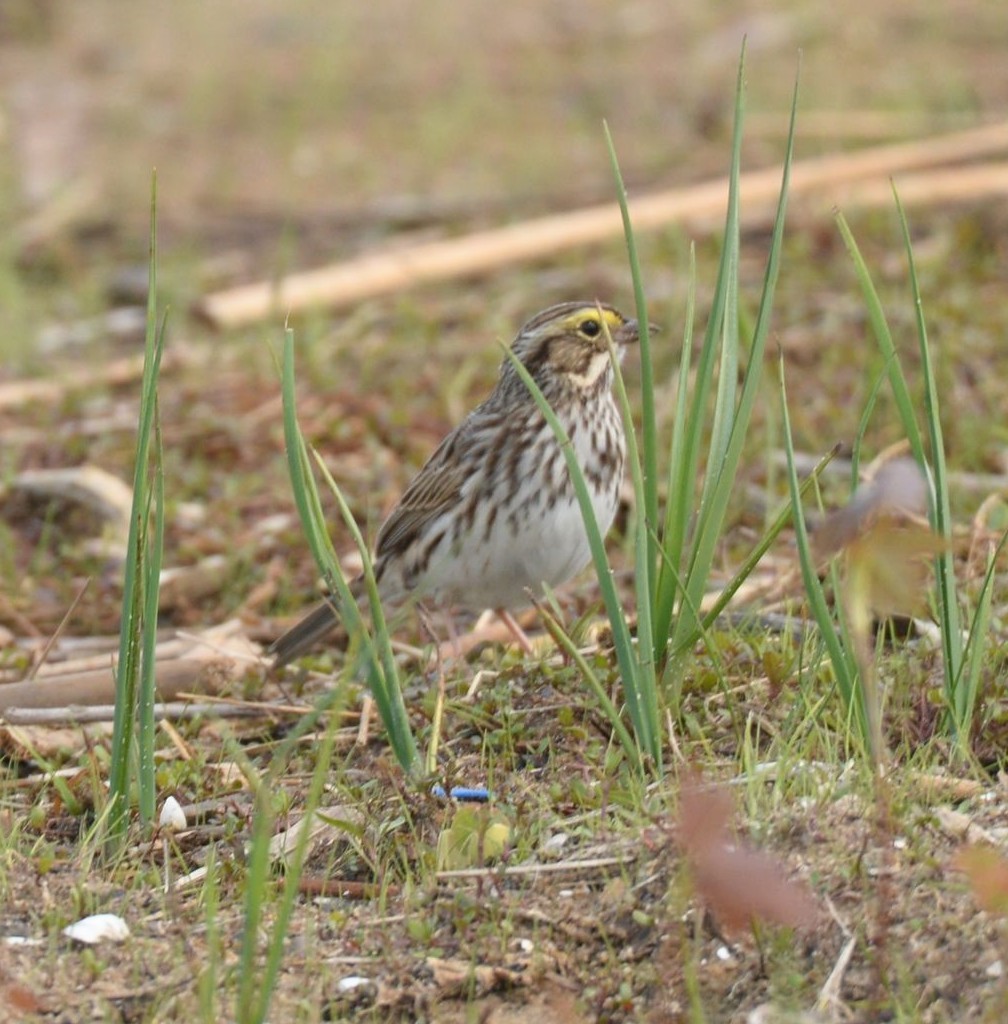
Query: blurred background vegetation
x=290, y=135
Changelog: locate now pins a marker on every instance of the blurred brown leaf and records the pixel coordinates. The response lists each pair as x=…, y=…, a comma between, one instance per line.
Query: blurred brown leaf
x=18, y=1001
x=887, y=542
x=897, y=492
x=987, y=872
x=892, y=566
x=739, y=885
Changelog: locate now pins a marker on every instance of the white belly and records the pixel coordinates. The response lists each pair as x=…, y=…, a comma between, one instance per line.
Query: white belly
x=529, y=543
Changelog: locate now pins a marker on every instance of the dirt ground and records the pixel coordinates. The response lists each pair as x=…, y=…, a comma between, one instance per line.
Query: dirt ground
x=290, y=136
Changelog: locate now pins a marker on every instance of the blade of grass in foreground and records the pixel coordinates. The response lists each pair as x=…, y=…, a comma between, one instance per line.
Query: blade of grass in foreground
x=138, y=621
x=152, y=590
x=378, y=660
x=732, y=419
x=258, y=995
x=382, y=673
x=690, y=427
x=206, y=983
x=961, y=698
x=646, y=731
x=844, y=668
x=938, y=499
x=649, y=428
x=645, y=681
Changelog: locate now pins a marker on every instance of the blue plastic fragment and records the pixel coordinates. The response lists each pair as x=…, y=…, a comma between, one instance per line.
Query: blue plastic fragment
x=473, y=794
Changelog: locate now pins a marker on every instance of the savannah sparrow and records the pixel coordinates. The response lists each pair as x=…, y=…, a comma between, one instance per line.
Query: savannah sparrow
x=493, y=514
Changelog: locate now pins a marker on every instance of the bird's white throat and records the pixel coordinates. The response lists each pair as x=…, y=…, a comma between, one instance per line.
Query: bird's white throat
x=597, y=366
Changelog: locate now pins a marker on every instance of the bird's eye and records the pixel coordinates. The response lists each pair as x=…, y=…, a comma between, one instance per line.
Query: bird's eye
x=589, y=328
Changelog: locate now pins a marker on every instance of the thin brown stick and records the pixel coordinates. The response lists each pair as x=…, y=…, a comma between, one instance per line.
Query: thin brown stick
x=122, y=371
x=258, y=706
x=97, y=686
x=384, y=272
x=881, y=125
x=310, y=885
x=947, y=185
x=593, y=864
x=48, y=646
x=78, y=714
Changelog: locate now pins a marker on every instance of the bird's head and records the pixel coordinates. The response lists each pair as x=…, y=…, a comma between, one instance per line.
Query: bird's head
x=567, y=343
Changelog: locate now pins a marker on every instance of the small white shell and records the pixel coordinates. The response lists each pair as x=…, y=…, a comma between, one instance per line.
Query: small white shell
x=354, y=981
x=172, y=818
x=98, y=928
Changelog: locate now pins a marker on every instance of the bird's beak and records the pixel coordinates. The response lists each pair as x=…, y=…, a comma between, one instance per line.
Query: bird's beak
x=630, y=332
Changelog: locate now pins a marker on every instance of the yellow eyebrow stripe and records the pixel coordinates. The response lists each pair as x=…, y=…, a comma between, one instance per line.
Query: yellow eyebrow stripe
x=612, y=318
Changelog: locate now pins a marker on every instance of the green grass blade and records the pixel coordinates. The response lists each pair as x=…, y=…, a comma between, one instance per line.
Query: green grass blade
x=306, y=499
x=206, y=985
x=649, y=742
x=564, y=641
x=148, y=663
x=844, y=669
x=862, y=427
x=128, y=663
x=257, y=879
x=949, y=623
x=736, y=420
x=679, y=498
x=967, y=686
x=649, y=429
x=718, y=334
x=644, y=678
x=378, y=661
x=722, y=340
x=883, y=336
x=292, y=875
x=383, y=675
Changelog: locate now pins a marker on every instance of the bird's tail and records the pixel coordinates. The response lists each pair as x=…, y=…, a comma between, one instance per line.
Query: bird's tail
x=302, y=636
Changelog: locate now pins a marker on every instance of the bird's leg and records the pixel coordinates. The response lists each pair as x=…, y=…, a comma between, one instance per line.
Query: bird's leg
x=515, y=630
x=452, y=649
x=364, y=724
x=427, y=625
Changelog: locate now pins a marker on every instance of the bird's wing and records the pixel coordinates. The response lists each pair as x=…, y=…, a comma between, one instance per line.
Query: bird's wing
x=436, y=489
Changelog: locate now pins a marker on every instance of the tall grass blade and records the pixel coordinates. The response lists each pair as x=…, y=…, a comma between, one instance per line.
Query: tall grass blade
x=938, y=499
x=267, y=978
x=139, y=614
x=147, y=795
x=883, y=336
x=378, y=661
x=649, y=428
x=840, y=656
x=382, y=673
x=647, y=735
x=732, y=417
x=257, y=878
x=949, y=623
x=644, y=679
x=679, y=496
x=206, y=986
